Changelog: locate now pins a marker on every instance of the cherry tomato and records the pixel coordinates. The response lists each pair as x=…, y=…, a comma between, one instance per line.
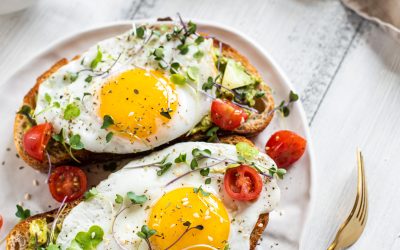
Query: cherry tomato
x=1, y=222
x=227, y=115
x=243, y=183
x=36, y=139
x=285, y=147
x=67, y=181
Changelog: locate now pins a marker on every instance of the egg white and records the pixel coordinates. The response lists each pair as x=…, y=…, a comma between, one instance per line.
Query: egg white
x=102, y=209
x=123, y=53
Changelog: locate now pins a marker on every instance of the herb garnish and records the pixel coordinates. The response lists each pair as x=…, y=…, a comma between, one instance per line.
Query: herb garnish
x=140, y=32
x=164, y=168
x=109, y=136
x=178, y=79
x=212, y=134
x=107, y=121
x=181, y=158
x=201, y=190
x=27, y=112
x=60, y=138
x=284, y=106
x=136, y=199
x=90, y=194
x=71, y=111
x=97, y=59
x=198, y=155
x=119, y=199
x=145, y=233
x=280, y=172
x=166, y=113
x=22, y=213
x=88, y=240
x=208, y=180
x=187, y=224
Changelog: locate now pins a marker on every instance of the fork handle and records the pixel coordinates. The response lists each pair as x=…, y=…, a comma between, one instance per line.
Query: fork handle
x=333, y=246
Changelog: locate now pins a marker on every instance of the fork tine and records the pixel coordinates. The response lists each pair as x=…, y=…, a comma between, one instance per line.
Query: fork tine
x=363, y=208
x=360, y=186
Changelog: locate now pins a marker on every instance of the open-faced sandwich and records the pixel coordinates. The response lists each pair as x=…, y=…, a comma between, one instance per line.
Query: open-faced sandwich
x=157, y=84
x=153, y=85
x=192, y=195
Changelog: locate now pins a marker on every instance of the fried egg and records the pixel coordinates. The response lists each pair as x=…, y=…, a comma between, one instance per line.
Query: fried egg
x=141, y=80
x=177, y=200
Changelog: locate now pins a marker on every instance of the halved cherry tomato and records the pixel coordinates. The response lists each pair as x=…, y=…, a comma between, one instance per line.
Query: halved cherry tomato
x=243, y=183
x=36, y=139
x=67, y=181
x=1, y=222
x=227, y=115
x=285, y=147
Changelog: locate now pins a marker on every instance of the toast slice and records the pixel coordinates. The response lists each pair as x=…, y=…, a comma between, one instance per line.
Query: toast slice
x=18, y=237
x=58, y=155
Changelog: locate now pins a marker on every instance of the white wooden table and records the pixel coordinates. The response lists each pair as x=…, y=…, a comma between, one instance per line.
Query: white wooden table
x=346, y=70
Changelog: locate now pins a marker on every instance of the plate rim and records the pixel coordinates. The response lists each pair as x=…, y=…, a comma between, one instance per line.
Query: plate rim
x=263, y=52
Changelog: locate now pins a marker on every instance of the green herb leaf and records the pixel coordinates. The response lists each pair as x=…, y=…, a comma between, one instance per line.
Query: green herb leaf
x=136, y=199
x=119, y=199
x=205, y=171
x=75, y=142
x=181, y=158
x=174, y=67
x=107, y=121
x=158, y=53
x=47, y=97
x=191, y=28
x=71, y=111
x=209, y=84
x=212, y=134
x=200, y=189
x=140, y=32
x=198, y=153
x=164, y=168
x=109, y=136
x=193, y=73
x=198, y=55
x=91, y=239
x=280, y=172
x=208, y=181
x=70, y=77
x=199, y=40
x=59, y=137
x=97, y=59
x=56, y=104
x=183, y=48
x=146, y=232
x=90, y=194
x=293, y=96
x=22, y=213
x=194, y=164
x=89, y=79
x=246, y=152
x=178, y=79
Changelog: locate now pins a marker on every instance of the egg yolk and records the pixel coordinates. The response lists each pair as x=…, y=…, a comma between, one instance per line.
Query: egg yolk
x=138, y=101
x=185, y=219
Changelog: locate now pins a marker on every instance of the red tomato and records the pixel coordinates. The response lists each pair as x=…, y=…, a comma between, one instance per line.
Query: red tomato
x=67, y=181
x=36, y=139
x=1, y=222
x=285, y=147
x=227, y=115
x=243, y=183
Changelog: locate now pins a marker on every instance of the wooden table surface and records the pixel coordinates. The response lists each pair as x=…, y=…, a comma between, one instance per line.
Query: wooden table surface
x=346, y=70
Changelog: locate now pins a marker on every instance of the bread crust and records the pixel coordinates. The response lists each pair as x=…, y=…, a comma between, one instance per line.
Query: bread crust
x=58, y=155
x=18, y=237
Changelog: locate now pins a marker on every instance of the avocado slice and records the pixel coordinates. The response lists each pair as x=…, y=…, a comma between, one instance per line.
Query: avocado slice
x=235, y=75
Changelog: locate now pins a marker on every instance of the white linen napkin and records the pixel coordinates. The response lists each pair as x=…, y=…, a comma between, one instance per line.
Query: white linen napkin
x=386, y=13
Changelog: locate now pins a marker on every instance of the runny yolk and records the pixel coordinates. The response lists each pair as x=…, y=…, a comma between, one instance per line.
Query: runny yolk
x=138, y=101
x=179, y=212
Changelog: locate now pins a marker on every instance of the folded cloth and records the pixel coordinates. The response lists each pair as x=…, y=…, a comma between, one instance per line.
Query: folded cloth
x=386, y=13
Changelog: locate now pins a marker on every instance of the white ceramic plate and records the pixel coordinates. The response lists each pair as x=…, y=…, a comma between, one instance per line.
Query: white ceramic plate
x=16, y=179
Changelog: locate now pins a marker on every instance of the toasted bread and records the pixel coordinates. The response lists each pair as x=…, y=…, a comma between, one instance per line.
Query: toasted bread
x=58, y=155
x=18, y=237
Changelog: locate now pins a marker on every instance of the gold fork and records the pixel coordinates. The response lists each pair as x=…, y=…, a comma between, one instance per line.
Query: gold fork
x=351, y=230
